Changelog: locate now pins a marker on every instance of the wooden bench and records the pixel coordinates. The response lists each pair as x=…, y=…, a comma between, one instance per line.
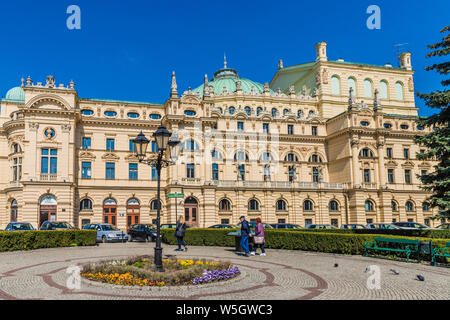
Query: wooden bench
x=440, y=252
x=410, y=246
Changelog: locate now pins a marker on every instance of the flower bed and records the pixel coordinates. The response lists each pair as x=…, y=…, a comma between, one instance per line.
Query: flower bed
x=139, y=271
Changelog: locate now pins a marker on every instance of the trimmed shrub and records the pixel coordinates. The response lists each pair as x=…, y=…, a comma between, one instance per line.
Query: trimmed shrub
x=29, y=240
x=434, y=234
x=330, y=242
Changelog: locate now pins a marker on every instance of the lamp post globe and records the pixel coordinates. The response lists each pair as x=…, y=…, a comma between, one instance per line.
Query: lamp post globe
x=162, y=136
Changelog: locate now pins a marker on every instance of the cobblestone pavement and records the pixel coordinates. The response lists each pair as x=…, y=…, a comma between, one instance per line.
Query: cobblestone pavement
x=282, y=274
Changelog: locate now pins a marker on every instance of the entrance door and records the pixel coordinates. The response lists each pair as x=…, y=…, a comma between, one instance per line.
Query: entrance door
x=14, y=211
x=133, y=212
x=110, y=212
x=191, y=211
x=47, y=213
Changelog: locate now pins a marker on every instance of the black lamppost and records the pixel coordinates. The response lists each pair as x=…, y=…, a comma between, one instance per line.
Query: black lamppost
x=163, y=143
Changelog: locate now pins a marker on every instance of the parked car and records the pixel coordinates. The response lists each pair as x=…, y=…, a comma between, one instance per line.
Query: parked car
x=170, y=226
x=285, y=226
x=253, y=224
x=410, y=225
x=320, y=226
x=444, y=226
x=19, y=226
x=381, y=226
x=54, y=225
x=353, y=226
x=221, y=226
x=107, y=232
x=146, y=232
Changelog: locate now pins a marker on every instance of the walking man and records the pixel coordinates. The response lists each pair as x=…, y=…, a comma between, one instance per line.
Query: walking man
x=245, y=233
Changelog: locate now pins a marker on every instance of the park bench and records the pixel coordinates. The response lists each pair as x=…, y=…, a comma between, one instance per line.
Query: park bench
x=382, y=244
x=440, y=252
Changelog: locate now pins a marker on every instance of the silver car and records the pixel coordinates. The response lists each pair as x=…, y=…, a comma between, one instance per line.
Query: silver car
x=382, y=226
x=107, y=232
x=319, y=226
x=410, y=226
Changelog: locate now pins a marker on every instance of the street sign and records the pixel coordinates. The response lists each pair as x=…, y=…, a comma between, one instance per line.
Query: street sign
x=175, y=195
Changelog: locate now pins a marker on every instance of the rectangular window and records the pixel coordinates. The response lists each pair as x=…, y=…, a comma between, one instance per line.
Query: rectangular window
x=266, y=173
x=110, y=170
x=423, y=173
x=86, y=170
x=389, y=153
x=132, y=147
x=154, y=172
x=241, y=169
x=391, y=175
x=49, y=161
x=154, y=146
x=407, y=176
x=308, y=221
x=369, y=221
x=240, y=126
x=394, y=220
x=265, y=127
x=86, y=143
x=281, y=220
x=410, y=220
x=314, y=130
x=406, y=153
x=109, y=144
x=291, y=173
x=290, y=129
x=225, y=221
x=133, y=171
x=215, y=171
x=190, y=170
x=427, y=222
x=367, y=175
x=315, y=174
x=335, y=222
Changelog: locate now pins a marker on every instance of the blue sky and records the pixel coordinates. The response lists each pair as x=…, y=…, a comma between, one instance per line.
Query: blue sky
x=126, y=50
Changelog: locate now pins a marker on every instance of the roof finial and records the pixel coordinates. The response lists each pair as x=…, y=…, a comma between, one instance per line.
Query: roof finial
x=173, y=87
x=224, y=60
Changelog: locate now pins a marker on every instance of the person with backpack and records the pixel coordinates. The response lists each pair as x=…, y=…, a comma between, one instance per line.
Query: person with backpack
x=259, y=237
x=179, y=233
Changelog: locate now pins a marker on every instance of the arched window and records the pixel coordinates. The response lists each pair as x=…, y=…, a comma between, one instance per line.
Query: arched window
x=291, y=157
x=383, y=89
x=85, y=204
x=224, y=205
x=266, y=156
x=333, y=206
x=14, y=211
x=133, y=202
x=315, y=158
x=253, y=205
x=190, y=145
x=240, y=156
x=17, y=148
x=285, y=111
x=154, y=205
x=299, y=114
x=248, y=111
x=215, y=155
x=352, y=84
x=335, y=85
x=369, y=206
x=308, y=205
x=231, y=110
x=366, y=153
x=274, y=112
x=394, y=206
x=367, y=88
x=399, y=90
x=109, y=202
x=425, y=206
x=281, y=205
x=258, y=111
x=409, y=206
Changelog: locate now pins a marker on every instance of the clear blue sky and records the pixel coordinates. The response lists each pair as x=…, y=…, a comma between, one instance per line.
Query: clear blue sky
x=126, y=50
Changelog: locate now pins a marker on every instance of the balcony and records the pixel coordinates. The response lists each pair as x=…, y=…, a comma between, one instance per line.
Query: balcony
x=191, y=181
x=48, y=177
x=280, y=184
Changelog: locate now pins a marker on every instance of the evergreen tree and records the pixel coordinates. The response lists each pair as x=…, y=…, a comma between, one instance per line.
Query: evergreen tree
x=438, y=141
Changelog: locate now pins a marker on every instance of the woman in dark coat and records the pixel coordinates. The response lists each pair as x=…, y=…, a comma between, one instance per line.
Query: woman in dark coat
x=179, y=233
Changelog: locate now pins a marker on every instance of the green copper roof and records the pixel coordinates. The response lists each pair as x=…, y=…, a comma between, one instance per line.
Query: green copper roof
x=15, y=95
x=227, y=78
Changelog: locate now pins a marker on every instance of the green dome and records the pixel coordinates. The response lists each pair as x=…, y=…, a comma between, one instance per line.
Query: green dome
x=15, y=95
x=228, y=77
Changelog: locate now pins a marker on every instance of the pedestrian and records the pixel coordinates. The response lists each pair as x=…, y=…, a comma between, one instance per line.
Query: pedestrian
x=259, y=237
x=179, y=233
x=245, y=234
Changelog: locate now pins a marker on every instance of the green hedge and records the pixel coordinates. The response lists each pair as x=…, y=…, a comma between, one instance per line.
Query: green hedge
x=330, y=242
x=29, y=240
x=434, y=234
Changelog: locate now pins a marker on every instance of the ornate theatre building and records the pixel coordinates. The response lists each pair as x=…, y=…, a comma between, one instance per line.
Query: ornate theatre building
x=324, y=142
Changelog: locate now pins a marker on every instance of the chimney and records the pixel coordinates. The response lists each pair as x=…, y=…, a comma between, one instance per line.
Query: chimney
x=321, y=49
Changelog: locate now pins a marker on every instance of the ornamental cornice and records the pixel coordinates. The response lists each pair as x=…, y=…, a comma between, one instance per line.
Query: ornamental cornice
x=110, y=157
x=86, y=155
x=121, y=122
x=408, y=164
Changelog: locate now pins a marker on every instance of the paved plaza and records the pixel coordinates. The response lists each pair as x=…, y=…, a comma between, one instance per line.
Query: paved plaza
x=282, y=274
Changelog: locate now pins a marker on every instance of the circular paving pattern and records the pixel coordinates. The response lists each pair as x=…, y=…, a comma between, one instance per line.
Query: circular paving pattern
x=281, y=275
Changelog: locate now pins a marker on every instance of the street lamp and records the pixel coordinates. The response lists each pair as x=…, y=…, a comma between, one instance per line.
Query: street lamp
x=162, y=136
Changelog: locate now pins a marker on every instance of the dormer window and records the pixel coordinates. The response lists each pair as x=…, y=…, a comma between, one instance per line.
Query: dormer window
x=110, y=113
x=87, y=112
x=133, y=115
x=155, y=116
x=190, y=113
x=387, y=126
x=365, y=123
x=404, y=126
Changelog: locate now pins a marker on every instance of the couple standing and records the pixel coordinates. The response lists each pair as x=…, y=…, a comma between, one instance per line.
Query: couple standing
x=246, y=233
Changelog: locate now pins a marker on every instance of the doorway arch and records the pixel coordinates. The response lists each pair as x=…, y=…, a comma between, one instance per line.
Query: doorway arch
x=191, y=211
x=14, y=210
x=133, y=212
x=47, y=209
x=110, y=211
